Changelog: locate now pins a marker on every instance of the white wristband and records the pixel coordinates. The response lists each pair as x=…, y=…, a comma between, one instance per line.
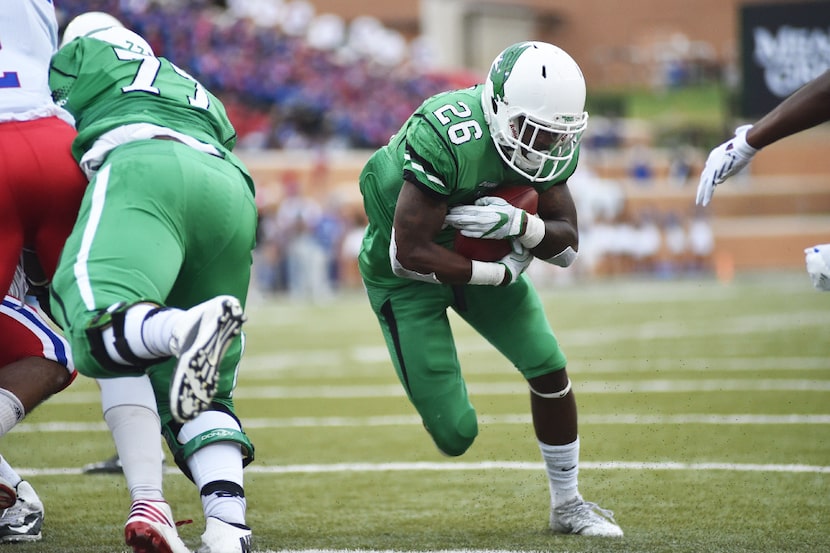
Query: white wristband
x=741, y=145
x=534, y=232
x=488, y=274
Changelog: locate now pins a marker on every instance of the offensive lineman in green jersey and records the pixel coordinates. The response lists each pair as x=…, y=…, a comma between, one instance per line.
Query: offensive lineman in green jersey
x=152, y=281
x=523, y=126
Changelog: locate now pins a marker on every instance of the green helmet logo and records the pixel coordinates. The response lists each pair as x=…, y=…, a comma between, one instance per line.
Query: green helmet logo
x=503, y=66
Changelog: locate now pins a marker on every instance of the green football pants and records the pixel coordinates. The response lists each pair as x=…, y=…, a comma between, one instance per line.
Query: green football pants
x=415, y=326
x=163, y=223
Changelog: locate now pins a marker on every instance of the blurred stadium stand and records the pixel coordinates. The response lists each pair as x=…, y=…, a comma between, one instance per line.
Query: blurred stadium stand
x=313, y=87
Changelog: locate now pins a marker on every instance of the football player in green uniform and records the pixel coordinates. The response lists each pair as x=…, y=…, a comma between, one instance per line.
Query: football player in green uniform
x=152, y=281
x=522, y=126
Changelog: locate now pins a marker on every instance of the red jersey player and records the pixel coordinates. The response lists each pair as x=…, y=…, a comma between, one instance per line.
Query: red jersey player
x=41, y=187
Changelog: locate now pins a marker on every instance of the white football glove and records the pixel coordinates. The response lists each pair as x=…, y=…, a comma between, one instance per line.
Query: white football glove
x=490, y=217
x=494, y=218
x=723, y=162
x=515, y=262
x=817, y=259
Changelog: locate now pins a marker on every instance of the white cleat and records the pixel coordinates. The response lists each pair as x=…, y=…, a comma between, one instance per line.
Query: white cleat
x=24, y=519
x=221, y=537
x=584, y=518
x=150, y=528
x=200, y=341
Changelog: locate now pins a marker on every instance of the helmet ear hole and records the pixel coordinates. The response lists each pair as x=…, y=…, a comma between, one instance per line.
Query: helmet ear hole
x=495, y=106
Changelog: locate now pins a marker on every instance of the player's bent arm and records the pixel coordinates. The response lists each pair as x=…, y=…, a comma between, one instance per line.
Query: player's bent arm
x=560, y=243
x=418, y=220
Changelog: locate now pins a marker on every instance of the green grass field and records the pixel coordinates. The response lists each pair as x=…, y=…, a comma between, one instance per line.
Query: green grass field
x=705, y=426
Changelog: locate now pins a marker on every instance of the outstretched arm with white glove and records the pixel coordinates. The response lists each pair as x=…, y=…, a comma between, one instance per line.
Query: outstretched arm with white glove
x=805, y=108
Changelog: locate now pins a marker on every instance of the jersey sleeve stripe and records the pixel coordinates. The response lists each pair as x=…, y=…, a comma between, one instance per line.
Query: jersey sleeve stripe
x=422, y=167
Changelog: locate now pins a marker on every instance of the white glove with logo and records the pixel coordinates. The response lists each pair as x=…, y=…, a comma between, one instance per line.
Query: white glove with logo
x=817, y=259
x=490, y=217
x=723, y=162
x=515, y=263
x=494, y=218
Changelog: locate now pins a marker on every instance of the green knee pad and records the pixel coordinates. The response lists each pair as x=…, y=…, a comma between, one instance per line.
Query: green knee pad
x=181, y=452
x=453, y=439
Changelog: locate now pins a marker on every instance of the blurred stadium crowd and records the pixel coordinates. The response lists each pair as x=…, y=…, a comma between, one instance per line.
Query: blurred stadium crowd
x=290, y=78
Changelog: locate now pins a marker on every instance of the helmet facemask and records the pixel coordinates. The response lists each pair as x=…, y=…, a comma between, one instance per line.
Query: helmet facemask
x=537, y=150
x=533, y=101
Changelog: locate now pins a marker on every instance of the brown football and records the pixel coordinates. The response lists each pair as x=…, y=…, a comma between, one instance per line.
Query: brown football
x=483, y=249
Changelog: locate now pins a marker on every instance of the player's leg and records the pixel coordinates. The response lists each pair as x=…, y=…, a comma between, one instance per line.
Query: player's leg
x=35, y=361
x=10, y=246
x=41, y=187
x=414, y=323
x=212, y=451
x=34, y=364
x=117, y=269
x=212, y=448
x=123, y=251
x=58, y=178
x=130, y=411
x=514, y=321
x=17, y=163
x=219, y=239
x=121, y=262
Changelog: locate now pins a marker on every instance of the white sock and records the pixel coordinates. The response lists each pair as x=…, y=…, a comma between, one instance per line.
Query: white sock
x=156, y=330
x=11, y=411
x=147, y=337
x=219, y=461
x=136, y=432
x=562, y=467
x=130, y=411
x=231, y=509
x=8, y=474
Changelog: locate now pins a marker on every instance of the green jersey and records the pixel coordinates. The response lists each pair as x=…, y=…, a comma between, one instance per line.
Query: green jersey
x=445, y=149
x=105, y=86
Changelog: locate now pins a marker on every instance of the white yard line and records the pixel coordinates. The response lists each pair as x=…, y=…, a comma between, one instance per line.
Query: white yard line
x=512, y=387
x=386, y=551
x=327, y=364
x=479, y=466
x=414, y=420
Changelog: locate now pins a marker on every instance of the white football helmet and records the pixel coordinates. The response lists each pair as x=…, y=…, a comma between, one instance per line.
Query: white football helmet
x=103, y=26
x=534, y=104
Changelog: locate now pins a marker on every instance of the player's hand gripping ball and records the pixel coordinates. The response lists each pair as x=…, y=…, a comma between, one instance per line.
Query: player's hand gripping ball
x=488, y=249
